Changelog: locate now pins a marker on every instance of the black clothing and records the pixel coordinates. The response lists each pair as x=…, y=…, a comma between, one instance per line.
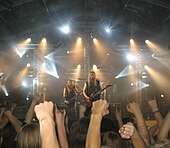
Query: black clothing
x=72, y=111
x=90, y=91
x=69, y=96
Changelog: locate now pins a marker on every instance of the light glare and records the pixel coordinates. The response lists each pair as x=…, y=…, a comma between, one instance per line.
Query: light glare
x=65, y=29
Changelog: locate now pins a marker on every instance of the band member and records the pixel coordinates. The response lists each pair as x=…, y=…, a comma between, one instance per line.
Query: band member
x=91, y=87
x=69, y=95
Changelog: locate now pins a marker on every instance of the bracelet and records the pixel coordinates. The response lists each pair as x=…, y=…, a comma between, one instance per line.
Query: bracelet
x=155, y=111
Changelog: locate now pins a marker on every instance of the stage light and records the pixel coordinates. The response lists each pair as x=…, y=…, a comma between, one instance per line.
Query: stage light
x=65, y=29
x=130, y=57
x=94, y=67
x=123, y=73
x=78, y=66
x=146, y=67
x=51, y=69
x=79, y=41
x=147, y=85
x=94, y=40
x=147, y=41
x=24, y=84
x=28, y=64
x=130, y=66
x=4, y=90
x=162, y=96
x=108, y=54
x=28, y=40
x=44, y=40
x=108, y=30
x=132, y=41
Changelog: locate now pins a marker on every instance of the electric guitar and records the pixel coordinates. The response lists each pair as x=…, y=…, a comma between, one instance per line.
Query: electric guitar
x=92, y=97
x=74, y=98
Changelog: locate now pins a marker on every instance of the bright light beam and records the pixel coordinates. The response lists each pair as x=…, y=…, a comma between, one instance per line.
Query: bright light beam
x=125, y=72
x=51, y=69
x=4, y=90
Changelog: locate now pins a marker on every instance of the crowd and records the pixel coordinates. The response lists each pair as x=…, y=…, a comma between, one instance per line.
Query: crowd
x=45, y=127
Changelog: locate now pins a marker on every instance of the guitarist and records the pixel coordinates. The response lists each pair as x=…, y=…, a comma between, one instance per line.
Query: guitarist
x=69, y=92
x=91, y=87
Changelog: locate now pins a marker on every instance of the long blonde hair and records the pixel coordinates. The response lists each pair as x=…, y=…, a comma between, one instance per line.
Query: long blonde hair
x=89, y=79
x=70, y=88
x=29, y=136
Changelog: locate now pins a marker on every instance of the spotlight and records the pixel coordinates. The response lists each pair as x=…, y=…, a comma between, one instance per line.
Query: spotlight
x=78, y=66
x=65, y=29
x=108, y=30
x=44, y=40
x=153, y=56
x=28, y=40
x=28, y=64
x=130, y=66
x=146, y=67
x=94, y=40
x=24, y=84
x=94, y=67
x=147, y=85
x=79, y=41
x=162, y=96
x=147, y=41
x=132, y=41
x=130, y=57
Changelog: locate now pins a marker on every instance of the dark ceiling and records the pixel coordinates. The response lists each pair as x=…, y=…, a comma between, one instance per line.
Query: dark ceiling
x=138, y=19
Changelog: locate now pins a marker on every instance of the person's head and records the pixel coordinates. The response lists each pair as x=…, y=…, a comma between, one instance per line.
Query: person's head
x=29, y=136
x=70, y=83
x=78, y=133
x=111, y=140
x=92, y=75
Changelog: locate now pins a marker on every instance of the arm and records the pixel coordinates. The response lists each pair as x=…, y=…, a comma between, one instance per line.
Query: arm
x=64, y=96
x=30, y=112
x=14, y=121
x=141, y=126
x=164, y=129
x=87, y=98
x=60, y=117
x=119, y=118
x=99, y=110
x=157, y=115
x=129, y=131
x=44, y=113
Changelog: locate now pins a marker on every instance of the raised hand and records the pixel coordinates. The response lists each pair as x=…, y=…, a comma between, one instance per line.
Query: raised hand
x=60, y=115
x=153, y=104
x=127, y=131
x=100, y=107
x=133, y=108
x=44, y=111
